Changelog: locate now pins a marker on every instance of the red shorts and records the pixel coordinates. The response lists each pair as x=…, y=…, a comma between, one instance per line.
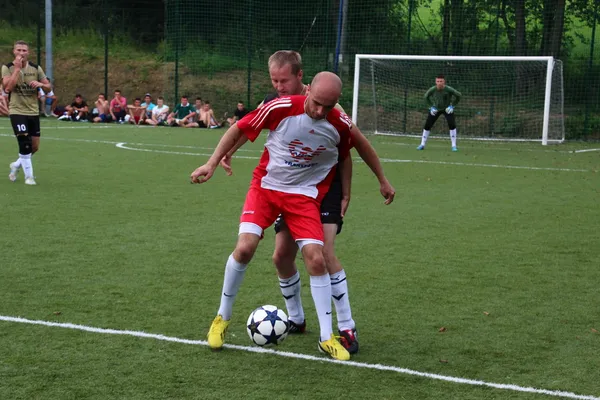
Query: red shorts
x=302, y=213
x=136, y=118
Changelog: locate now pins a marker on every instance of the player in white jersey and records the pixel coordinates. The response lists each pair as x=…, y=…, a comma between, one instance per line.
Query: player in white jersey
x=285, y=71
x=306, y=137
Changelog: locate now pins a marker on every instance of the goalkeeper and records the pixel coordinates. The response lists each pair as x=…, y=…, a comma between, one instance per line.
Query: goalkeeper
x=441, y=99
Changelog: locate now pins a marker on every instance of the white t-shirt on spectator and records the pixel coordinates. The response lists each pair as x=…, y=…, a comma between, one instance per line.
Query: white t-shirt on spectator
x=160, y=112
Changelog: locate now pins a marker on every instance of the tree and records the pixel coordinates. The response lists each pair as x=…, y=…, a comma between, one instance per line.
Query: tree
x=520, y=29
x=506, y=16
x=457, y=20
x=446, y=27
x=553, y=27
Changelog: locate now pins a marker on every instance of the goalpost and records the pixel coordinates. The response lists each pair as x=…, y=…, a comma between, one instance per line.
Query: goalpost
x=503, y=98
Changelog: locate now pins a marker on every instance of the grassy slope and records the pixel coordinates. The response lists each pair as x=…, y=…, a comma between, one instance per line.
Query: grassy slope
x=79, y=68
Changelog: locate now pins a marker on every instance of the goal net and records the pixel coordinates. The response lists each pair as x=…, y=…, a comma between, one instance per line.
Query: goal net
x=503, y=98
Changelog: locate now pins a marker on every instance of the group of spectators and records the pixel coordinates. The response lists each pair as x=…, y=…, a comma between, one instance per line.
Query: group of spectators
x=197, y=115
x=184, y=114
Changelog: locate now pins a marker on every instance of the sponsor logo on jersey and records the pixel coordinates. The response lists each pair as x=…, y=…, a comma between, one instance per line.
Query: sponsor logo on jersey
x=300, y=152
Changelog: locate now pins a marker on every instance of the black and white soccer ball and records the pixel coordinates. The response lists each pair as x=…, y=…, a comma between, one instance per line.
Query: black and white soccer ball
x=267, y=325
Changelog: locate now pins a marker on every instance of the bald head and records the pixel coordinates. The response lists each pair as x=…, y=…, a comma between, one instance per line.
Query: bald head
x=327, y=82
x=325, y=91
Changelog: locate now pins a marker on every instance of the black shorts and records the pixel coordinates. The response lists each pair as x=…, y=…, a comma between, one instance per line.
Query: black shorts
x=432, y=118
x=331, y=208
x=25, y=124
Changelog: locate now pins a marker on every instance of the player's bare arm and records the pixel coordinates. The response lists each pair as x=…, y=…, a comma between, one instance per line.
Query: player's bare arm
x=189, y=116
x=43, y=84
x=229, y=139
x=346, y=177
x=82, y=109
x=226, y=160
x=10, y=81
x=369, y=156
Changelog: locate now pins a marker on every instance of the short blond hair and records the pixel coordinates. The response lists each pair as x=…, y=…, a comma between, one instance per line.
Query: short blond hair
x=21, y=43
x=286, y=57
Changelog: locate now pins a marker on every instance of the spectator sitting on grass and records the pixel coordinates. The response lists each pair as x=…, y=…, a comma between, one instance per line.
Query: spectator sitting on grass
x=48, y=102
x=159, y=113
x=137, y=112
x=198, y=103
x=207, y=117
x=238, y=114
x=193, y=121
x=77, y=111
x=118, y=107
x=149, y=105
x=182, y=113
x=103, y=107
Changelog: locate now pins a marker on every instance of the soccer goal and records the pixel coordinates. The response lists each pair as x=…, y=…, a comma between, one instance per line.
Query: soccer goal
x=503, y=98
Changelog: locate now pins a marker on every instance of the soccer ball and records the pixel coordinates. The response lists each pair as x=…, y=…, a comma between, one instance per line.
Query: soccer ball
x=267, y=325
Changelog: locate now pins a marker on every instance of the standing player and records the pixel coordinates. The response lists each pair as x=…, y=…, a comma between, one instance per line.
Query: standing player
x=441, y=99
x=21, y=80
x=285, y=70
x=307, y=135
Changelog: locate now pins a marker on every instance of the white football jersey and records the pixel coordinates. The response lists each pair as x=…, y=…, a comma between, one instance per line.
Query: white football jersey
x=300, y=152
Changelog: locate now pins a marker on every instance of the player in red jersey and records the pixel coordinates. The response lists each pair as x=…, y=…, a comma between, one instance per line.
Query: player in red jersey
x=306, y=137
x=285, y=71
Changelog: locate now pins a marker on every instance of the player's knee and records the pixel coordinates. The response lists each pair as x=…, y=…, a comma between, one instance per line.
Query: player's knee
x=244, y=251
x=314, y=260
x=331, y=261
x=243, y=254
x=281, y=258
x=284, y=264
x=25, y=144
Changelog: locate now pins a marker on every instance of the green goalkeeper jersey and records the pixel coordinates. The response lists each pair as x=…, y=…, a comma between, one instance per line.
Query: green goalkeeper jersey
x=441, y=99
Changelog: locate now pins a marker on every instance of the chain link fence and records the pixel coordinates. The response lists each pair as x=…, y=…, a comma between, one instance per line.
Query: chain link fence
x=218, y=50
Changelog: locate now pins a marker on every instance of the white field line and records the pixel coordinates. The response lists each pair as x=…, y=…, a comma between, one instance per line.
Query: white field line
x=132, y=144
x=128, y=146
x=380, y=367
x=493, y=147
x=180, y=153
x=391, y=160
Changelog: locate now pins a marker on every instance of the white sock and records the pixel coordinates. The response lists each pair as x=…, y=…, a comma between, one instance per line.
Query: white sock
x=17, y=163
x=424, y=137
x=320, y=288
x=339, y=292
x=290, y=289
x=234, y=276
x=26, y=164
x=453, y=137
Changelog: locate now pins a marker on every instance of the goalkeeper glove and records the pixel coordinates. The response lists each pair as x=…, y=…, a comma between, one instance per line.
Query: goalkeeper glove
x=449, y=109
x=433, y=111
